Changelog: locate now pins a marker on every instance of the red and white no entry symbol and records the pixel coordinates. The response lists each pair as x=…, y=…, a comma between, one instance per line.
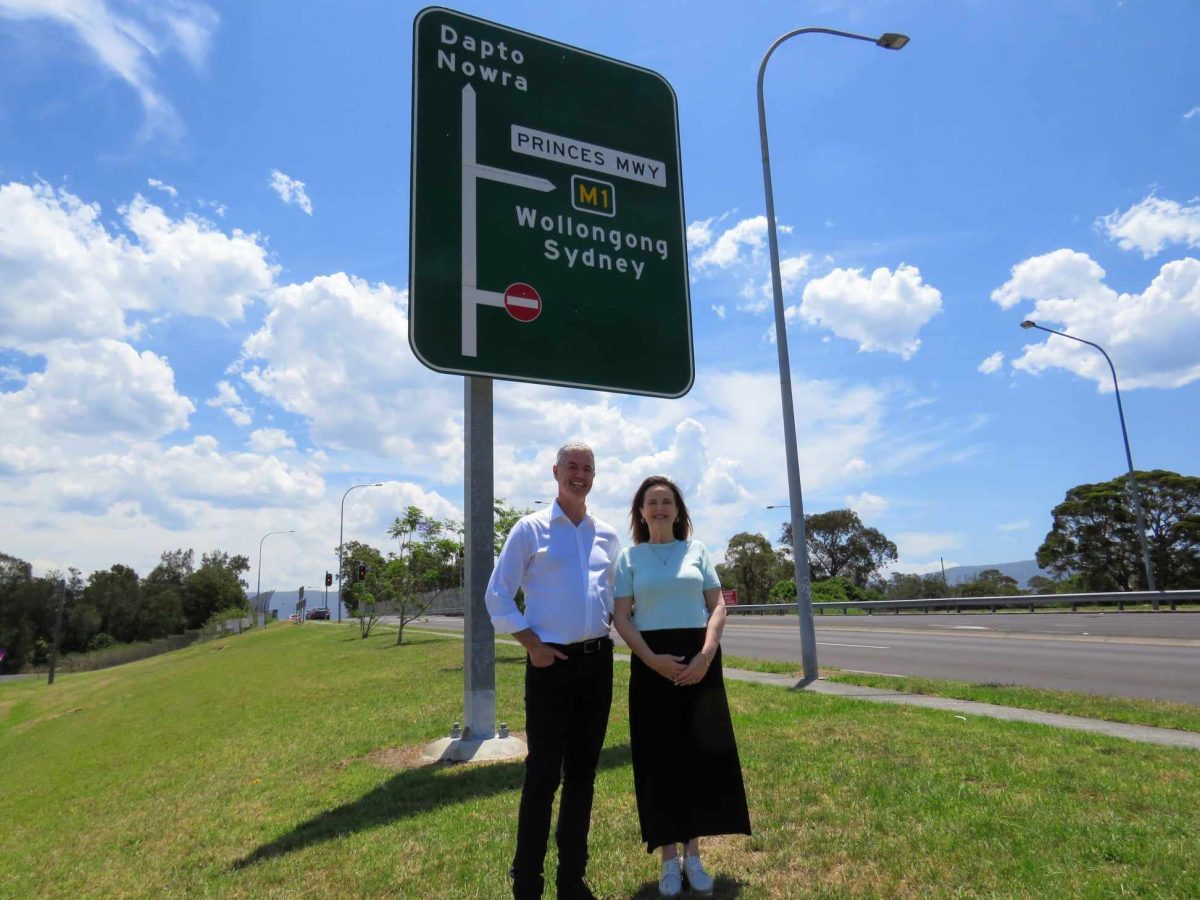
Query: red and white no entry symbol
x=522, y=302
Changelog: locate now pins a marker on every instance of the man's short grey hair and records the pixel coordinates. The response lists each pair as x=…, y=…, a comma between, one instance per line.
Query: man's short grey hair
x=571, y=447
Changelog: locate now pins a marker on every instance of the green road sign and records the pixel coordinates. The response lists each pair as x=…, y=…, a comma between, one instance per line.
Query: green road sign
x=547, y=227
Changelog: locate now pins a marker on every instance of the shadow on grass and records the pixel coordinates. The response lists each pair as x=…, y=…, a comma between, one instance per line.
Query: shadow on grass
x=723, y=886
x=409, y=793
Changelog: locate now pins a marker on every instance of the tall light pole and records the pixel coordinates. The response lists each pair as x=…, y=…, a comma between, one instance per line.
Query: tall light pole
x=341, y=523
x=258, y=591
x=1133, y=485
x=808, y=639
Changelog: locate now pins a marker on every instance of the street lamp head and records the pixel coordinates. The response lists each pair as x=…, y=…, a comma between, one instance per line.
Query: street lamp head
x=377, y=484
x=892, y=41
x=779, y=506
x=1028, y=323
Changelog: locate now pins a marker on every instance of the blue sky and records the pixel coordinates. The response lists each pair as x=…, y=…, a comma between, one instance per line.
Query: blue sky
x=204, y=263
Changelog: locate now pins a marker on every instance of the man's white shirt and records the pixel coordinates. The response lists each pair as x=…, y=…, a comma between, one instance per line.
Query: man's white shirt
x=566, y=571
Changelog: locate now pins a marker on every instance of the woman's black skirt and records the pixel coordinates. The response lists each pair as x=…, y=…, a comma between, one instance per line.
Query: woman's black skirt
x=685, y=762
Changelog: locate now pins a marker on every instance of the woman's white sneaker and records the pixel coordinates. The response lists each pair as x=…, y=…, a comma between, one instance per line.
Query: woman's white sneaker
x=670, y=883
x=699, y=881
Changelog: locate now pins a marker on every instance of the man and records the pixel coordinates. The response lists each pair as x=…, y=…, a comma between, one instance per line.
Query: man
x=564, y=559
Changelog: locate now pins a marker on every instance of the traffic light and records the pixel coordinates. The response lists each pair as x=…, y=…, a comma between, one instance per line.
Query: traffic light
x=328, y=579
x=362, y=571
x=301, y=593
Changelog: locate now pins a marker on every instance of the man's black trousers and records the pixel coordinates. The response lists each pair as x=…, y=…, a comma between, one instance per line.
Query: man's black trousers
x=566, y=716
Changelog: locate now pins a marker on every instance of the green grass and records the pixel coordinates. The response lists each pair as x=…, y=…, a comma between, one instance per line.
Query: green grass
x=253, y=766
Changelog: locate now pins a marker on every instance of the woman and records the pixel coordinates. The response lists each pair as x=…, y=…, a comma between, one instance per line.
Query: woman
x=685, y=764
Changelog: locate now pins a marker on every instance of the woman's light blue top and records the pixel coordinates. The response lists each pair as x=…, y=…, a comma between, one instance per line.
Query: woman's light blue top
x=667, y=583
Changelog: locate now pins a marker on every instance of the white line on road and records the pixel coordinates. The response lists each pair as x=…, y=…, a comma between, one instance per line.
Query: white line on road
x=864, y=646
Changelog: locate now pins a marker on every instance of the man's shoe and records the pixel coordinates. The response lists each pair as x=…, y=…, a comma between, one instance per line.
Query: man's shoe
x=670, y=884
x=526, y=887
x=699, y=881
x=575, y=889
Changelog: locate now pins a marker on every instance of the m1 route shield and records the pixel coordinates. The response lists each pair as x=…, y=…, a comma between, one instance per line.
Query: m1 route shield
x=544, y=171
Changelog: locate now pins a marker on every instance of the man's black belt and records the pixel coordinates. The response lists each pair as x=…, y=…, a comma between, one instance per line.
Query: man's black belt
x=580, y=648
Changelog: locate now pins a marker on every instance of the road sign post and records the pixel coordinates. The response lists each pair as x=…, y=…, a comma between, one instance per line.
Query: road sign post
x=540, y=166
x=547, y=245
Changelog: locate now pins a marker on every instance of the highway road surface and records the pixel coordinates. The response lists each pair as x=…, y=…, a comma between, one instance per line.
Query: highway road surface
x=1146, y=655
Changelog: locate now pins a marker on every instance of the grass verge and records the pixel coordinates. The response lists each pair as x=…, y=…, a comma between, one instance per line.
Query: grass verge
x=259, y=766
x=1156, y=713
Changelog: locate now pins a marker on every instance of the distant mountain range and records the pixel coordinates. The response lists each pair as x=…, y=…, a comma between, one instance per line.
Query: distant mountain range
x=1022, y=571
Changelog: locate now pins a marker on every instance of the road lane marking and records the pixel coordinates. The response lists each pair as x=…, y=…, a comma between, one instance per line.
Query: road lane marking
x=864, y=646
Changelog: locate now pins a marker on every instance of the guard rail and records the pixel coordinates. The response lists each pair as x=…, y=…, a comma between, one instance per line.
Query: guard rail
x=958, y=604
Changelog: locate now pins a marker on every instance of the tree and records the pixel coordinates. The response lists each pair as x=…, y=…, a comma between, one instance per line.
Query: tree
x=362, y=597
x=989, y=583
x=751, y=566
x=114, y=594
x=839, y=544
x=25, y=604
x=1094, y=533
x=161, y=609
x=214, y=587
x=239, y=565
x=427, y=562
x=506, y=517
x=904, y=586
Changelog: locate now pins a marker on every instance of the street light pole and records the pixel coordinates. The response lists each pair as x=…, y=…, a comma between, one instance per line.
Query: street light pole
x=341, y=523
x=1133, y=485
x=808, y=640
x=258, y=590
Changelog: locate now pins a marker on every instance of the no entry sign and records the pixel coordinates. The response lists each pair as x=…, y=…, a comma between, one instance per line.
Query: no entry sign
x=536, y=163
x=522, y=302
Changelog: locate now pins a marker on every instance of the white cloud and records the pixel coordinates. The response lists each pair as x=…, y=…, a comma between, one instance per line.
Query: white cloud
x=729, y=249
x=792, y=271
x=1152, y=224
x=699, y=233
x=132, y=43
x=230, y=401
x=162, y=186
x=923, y=543
x=866, y=504
x=1151, y=336
x=719, y=309
x=1062, y=273
x=992, y=364
x=1019, y=525
x=63, y=275
x=290, y=191
x=884, y=312
x=1192, y=113
x=164, y=484
x=104, y=387
x=268, y=440
x=365, y=391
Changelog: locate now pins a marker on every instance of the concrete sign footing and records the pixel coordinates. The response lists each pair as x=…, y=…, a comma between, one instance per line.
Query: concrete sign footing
x=481, y=750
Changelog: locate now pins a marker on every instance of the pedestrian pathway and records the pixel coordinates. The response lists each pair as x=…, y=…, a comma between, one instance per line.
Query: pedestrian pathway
x=1145, y=734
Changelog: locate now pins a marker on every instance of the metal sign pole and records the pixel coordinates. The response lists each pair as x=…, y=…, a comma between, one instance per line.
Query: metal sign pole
x=479, y=652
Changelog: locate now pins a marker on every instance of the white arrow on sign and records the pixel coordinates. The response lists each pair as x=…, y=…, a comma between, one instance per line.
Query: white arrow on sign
x=472, y=295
